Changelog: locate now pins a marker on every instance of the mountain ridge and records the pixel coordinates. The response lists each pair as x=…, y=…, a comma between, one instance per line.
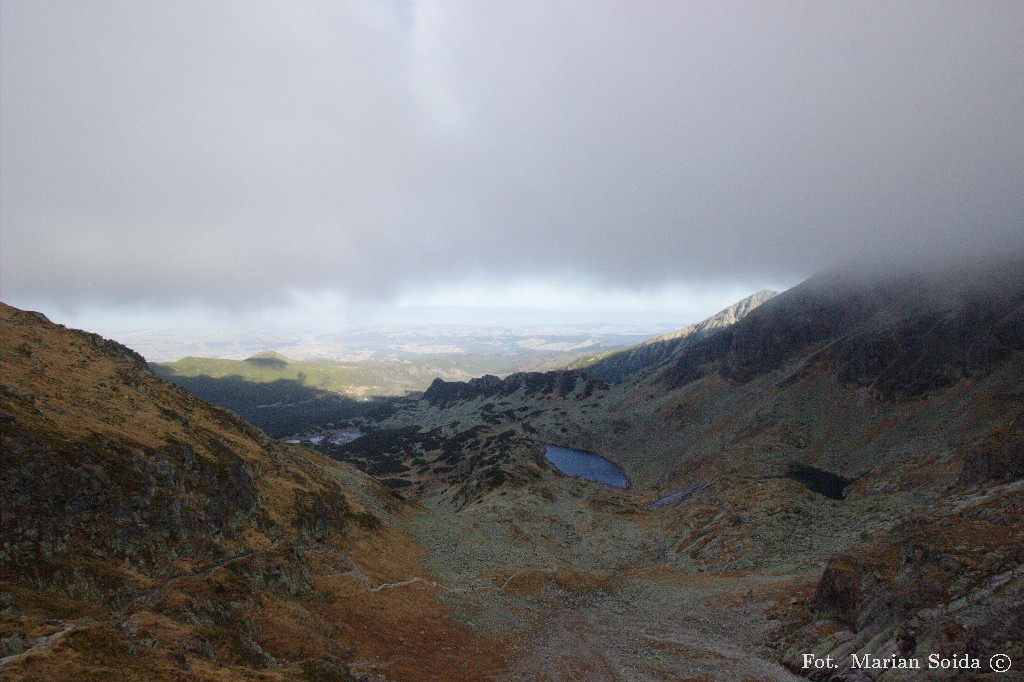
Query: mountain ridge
x=614, y=366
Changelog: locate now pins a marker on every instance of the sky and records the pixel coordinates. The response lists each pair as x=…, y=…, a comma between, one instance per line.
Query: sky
x=241, y=161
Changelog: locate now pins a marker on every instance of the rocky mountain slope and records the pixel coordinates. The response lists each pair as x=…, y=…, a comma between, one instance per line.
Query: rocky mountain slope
x=859, y=433
x=615, y=366
x=840, y=471
x=148, y=535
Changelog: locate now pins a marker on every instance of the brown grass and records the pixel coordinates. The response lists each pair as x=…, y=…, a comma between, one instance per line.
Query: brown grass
x=61, y=387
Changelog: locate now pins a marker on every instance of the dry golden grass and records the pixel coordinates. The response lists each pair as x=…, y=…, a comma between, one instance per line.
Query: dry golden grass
x=66, y=387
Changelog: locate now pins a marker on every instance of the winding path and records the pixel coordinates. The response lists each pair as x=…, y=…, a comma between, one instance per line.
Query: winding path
x=41, y=643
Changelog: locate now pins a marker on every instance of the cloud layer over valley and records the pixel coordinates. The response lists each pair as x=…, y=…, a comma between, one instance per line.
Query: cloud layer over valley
x=242, y=154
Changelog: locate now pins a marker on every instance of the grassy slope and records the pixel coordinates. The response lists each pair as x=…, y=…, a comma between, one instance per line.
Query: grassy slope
x=325, y=375
x=382, y=378
x=391, y=377
x=158, y=537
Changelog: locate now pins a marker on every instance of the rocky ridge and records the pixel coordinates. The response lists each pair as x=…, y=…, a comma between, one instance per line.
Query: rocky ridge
x=615, y=366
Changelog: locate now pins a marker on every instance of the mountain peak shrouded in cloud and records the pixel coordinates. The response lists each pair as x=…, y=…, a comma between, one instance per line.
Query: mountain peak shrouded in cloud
x=163, y=155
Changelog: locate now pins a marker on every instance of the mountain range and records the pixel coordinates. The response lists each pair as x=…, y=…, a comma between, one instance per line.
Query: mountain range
x=834, y=470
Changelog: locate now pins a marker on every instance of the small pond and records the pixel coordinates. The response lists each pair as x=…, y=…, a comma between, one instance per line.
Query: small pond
x=586, y=465
x=818, y=480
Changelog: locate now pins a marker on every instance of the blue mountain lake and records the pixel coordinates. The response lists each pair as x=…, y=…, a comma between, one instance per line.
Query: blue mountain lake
x=586, y=465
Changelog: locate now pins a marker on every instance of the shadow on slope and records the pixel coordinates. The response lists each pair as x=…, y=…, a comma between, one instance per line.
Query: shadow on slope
x=818, y=480
x=282, y=407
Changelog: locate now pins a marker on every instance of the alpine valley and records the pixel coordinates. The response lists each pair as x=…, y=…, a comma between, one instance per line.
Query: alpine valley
x=831, y=473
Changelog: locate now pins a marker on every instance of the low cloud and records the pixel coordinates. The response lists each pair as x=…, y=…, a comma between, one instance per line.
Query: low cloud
x=234, y=154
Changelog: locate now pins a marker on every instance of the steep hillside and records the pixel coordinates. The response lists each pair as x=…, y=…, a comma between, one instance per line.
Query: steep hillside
x=845, y=372
x=615, y=366
x=149, y=535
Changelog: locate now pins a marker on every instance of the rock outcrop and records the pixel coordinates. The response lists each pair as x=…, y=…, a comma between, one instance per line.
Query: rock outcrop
x=948, y=584
x=533, y=385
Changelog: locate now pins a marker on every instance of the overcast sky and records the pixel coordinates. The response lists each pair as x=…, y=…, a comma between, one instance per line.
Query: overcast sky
x=235, y=157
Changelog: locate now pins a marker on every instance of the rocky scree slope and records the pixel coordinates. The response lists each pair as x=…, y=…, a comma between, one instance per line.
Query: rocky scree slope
x=947, y=582
x=908, y=387
x=148, y=535
x=899, y=390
